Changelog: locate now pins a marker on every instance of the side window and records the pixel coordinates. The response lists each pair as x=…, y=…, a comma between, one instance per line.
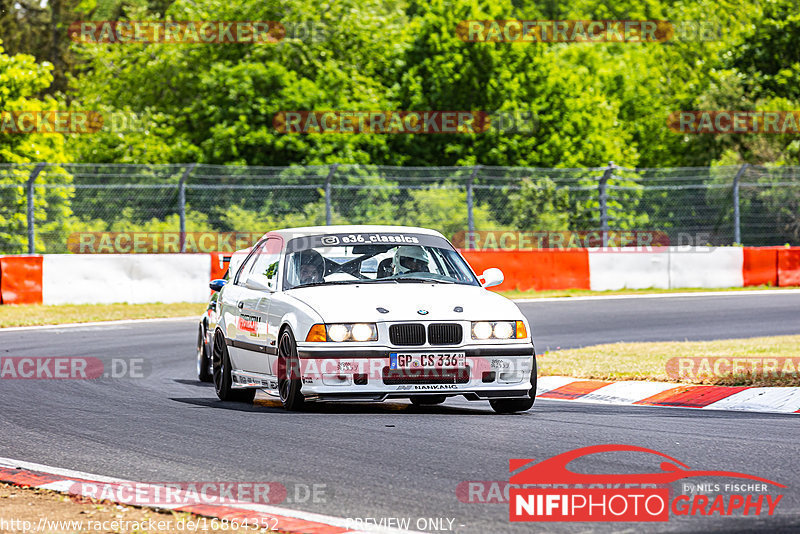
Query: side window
x=265, y=266
x=241, y=277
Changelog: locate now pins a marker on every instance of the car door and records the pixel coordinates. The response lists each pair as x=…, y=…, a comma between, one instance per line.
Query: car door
x=240, y=302
x=263, y=273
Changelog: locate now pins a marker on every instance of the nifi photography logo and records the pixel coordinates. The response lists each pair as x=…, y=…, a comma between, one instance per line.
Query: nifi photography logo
x=548, y=491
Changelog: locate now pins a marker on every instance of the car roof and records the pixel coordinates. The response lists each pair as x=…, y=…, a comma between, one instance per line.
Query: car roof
x=289, y=233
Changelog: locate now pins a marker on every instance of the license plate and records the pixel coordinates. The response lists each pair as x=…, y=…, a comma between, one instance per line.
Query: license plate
x=432, y=360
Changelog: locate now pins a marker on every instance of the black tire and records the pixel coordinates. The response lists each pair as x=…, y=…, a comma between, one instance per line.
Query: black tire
x=518, y=405
x=289, y=380
x=427, y=400
x=203, y=357
x=221, y=364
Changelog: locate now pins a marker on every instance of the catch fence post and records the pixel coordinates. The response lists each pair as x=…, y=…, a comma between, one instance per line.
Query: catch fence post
x=603, y=191
x=30, y=207
x=470, y=205
x=737, y=222
x=182, y=203
x=328, y=180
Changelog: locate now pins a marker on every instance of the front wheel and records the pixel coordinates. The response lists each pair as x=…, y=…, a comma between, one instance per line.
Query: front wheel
x=221, y=365
x=289, y=380
x=518, y=405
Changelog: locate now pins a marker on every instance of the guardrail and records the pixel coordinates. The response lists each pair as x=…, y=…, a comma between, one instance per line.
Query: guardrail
x=142, y=278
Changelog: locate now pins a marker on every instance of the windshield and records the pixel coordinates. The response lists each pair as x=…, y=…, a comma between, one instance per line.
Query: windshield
x=373, y=258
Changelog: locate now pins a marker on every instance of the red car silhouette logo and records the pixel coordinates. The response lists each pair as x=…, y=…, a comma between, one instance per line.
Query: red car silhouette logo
x=554, y=470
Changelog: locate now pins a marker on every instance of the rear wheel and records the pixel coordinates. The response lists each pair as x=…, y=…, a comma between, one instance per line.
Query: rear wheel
x=289, y=380
x=203, y=357
x=517, y=405
x=221, y=364
x=423, y=400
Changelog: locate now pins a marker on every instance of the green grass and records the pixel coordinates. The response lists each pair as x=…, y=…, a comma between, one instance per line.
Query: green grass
x=532, y=294
x=648, y=361
x=39, y=314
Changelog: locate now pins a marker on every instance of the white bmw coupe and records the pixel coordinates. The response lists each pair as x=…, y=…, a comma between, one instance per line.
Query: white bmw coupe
x=367, y=313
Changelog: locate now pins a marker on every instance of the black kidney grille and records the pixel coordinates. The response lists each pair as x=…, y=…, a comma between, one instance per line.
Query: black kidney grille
x=444, y=334
x=407, y=334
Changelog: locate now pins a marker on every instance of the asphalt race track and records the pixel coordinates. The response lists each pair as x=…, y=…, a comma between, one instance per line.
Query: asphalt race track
x=393, y=459
x=569, y=324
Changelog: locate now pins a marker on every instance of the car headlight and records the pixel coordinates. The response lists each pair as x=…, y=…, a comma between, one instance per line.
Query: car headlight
x=338, y=332
x=481, y=330
x=363, y=332
x=498, y=330
x=341, y=332
x=504, y=330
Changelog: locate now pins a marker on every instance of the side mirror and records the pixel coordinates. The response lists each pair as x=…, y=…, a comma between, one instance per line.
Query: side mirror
x=256, y=285
x=492, y=277
x=217, y=284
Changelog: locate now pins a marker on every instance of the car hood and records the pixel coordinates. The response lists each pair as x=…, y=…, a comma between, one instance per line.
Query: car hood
x=360, y=303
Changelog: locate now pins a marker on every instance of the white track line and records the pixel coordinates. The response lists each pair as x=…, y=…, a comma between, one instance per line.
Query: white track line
x=99, y=323
x=267, y=509
x=68, y=473
x=665, y=295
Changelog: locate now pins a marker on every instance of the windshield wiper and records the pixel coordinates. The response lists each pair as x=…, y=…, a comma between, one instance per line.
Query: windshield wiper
x=423, y=280
x=332, y=282
x=348, y=282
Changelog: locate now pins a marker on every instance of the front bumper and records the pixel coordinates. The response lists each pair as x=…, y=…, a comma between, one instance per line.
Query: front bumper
x=362, y=373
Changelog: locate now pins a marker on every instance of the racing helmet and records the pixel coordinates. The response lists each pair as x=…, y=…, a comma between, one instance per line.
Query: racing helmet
x=410, y=259
x=310, y=266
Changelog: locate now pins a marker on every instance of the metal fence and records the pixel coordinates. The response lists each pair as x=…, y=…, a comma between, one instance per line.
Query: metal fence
x=44, y=204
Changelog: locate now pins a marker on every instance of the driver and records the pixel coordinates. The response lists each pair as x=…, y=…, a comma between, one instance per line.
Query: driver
x=410, y=259
x=312, y=267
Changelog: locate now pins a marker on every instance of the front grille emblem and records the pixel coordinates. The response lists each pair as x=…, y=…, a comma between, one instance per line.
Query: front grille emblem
x=422, y=312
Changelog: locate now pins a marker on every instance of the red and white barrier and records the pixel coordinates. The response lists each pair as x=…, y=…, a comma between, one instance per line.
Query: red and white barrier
x=133, y=278
x=142, y=278
x=789, y=267
x=706, y=267
x=20, y=279
x=630, y=268
x=622, y=270
x=535, y=269
x=672, y=267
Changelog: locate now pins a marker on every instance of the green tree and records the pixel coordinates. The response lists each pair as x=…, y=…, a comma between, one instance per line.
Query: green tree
x=444, y=209
x=21, y=78
x=539, y=205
